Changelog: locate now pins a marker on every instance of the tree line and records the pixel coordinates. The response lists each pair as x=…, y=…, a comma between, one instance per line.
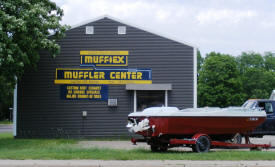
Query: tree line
x=225, y=80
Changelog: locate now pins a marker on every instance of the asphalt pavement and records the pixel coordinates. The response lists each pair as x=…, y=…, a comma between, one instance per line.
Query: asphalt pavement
x=5, y=128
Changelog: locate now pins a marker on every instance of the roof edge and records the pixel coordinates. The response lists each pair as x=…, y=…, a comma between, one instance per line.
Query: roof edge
x=148, y=87
x=133, y=25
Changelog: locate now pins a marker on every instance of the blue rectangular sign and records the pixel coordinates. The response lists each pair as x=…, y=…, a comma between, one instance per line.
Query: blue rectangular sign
x=103, y=76
x=84, y=92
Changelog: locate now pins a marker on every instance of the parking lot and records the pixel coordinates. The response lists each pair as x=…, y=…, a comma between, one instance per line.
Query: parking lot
x=5, y=128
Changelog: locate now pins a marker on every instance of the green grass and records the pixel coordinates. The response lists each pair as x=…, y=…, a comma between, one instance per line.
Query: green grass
x=6, y=122
x=67, y=149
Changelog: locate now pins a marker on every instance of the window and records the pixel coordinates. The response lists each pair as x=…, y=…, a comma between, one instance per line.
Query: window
x=121, y=30
x=250, y=104
x=89, y=29
x=151, y=98
x=268, y=108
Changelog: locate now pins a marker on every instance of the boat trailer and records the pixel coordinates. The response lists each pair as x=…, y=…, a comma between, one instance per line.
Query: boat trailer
x=201, y=143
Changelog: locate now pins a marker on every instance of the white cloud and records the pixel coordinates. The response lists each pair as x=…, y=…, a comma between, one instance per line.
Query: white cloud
x=163, y=15
x=225, y=16
x=213, y=25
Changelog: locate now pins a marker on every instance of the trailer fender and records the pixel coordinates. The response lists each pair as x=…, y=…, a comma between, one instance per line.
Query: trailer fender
x=196, y=136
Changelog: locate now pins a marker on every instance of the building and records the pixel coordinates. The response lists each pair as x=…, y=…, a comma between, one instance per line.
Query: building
x=106, y=69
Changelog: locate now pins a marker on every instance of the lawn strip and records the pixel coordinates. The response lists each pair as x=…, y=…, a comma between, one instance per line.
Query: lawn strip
x=11, y=148
x=5, y=122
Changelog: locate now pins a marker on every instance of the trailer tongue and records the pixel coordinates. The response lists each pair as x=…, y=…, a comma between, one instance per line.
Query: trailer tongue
x=200, y=129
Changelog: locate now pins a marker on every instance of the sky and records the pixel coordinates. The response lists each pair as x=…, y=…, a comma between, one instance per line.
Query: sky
x=225, y=26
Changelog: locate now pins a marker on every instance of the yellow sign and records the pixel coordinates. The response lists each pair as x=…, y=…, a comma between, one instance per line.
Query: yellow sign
x=104, y=58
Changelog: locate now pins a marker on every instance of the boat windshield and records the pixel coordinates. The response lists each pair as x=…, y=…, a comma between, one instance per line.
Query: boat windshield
x=250, y=104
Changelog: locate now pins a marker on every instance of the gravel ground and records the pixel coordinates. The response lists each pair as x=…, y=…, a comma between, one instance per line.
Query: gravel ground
x=264, y=140
x=127, y=145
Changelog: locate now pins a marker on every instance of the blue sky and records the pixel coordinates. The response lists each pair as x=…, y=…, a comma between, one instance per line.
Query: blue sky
x=226, y=26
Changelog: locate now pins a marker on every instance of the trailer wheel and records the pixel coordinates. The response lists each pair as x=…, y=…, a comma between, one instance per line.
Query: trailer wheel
x=237, y=139
x=256, y=149
x=202, y=145
x=163, y=147
x=155, y=148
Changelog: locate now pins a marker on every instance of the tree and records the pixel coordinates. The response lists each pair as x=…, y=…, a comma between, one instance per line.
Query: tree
x=269, y=61
x=257, y=74
x=25, y=27
x=250, y=60
x=219, y=82
x=200, y=60
x=227, y=81
x=258, y=83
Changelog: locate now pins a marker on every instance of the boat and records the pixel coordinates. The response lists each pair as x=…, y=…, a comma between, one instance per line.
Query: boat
x=158, y=125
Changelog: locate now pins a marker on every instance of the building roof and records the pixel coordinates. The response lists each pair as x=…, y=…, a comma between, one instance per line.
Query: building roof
x=132, y=25
x=148, y=87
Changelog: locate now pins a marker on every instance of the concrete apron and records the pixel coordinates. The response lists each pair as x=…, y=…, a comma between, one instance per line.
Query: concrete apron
x=134, y=163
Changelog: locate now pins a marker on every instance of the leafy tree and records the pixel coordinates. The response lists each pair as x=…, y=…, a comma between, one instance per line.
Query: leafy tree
x=200, y=60
x=269, y=61
x=219, y=82
x=25, y=26
x=227, y=81
x=5, y=108
x=250, y=60
x=258, y=83
x=257, y=74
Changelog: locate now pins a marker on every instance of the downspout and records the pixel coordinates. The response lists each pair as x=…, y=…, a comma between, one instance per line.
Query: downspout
x=15, y=110
x=166, y=98
x=135, y=100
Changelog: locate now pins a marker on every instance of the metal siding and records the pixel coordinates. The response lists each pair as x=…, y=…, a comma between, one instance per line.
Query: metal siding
x=41, y=112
